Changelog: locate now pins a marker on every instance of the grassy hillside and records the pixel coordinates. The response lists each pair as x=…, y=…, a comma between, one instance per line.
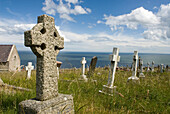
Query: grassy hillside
x=151, y=95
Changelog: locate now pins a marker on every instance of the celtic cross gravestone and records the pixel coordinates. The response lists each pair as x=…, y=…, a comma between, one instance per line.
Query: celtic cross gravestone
x=45, y=42
x=28, y=69
x=134, y=67
x=114, y=58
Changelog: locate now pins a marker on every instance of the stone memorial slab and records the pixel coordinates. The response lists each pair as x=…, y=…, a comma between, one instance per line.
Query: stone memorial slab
x=141, y=75
x=158, y=68
x=92, y=66
x=109, y=88
x=83, y=62
x=134, y=66
x=148, y=69
x=45, y=42
x=162, y=68
x=167, y=68
x=153, y=63
x=139, y=63
x=29, y=68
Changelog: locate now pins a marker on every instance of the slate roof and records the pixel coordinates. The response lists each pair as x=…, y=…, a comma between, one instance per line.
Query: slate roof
x=4, y=52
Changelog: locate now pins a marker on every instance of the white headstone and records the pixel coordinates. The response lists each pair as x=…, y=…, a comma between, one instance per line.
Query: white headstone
x=148, y=66
x=114, y=58
x=162, y=68
x=28, y=69
x=153, y=66
x=134, y=66
x=83, y=62
x=141, y=75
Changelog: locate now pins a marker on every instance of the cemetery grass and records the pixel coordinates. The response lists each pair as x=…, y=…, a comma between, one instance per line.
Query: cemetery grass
x=151, y=95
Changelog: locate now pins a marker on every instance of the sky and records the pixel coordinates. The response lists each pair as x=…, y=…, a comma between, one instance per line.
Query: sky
x=92, y=25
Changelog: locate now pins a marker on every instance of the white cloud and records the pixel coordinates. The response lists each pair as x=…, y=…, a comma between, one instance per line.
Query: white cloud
x=72, y=1
x=65, y=9
x=99, y=42
x=67, y=17
x=156, y=25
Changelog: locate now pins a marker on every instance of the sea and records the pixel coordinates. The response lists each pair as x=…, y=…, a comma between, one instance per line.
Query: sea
x=72, y=59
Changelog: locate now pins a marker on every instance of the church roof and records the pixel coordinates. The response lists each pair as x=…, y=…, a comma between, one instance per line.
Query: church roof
x=4, y=52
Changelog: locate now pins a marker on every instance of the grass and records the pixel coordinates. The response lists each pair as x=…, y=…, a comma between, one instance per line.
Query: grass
x=151, y=95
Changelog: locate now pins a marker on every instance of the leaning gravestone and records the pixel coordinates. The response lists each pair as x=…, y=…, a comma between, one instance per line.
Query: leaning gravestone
x=28, y=69
x=92, y=66
x=134, y=66
x=45, y=42
x=109, y=88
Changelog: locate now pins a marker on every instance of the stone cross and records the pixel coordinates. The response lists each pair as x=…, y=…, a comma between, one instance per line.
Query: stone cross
x=153, y=66
x=45, y=42
x=114, y=58
x=162, y=67
x=28, y=69
x=148, y=66
x=83, y=62
x=134, y=66
x=92, y=66
x=141, y=69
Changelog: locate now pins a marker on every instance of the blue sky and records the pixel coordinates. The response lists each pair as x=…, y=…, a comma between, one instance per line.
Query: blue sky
x=92, y=25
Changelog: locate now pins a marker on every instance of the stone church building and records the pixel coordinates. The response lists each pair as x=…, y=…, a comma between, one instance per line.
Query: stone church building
x=9, y=58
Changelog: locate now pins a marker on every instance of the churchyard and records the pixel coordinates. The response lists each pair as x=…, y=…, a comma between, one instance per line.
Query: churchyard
x=110, y=90
x=150, y=96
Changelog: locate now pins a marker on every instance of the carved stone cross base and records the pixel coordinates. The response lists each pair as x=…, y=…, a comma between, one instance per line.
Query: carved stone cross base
x=133, y=78
x=83, y=78
x=108, y=90
x=62, y=104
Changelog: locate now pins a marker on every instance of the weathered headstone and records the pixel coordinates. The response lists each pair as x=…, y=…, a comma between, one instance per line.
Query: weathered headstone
x=141, y=75
x=28, y=69
x=167, y=68
x=148, y=69
x=162, y=68
x=114, y=58
x=92, y=66
x=153, y=66
x=45, y=42
x=127, y=67
x=134, y=66
x=87, y=67
x=139, y=63
x=158, y=68
x=83, y=62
